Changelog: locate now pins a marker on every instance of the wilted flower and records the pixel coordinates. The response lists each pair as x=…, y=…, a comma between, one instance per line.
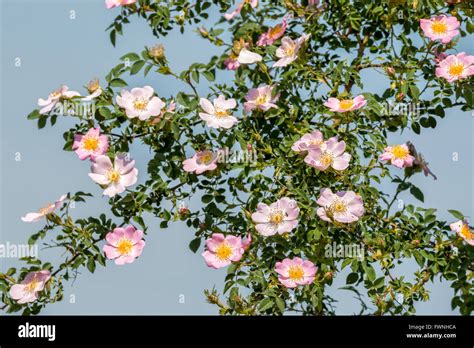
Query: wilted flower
x=91, y=144
x=157, y=53
x=294, y=272
x=114, y=177
x=45, y=211
x=288, y=51
x=201, y=162
x=332, y=155
x=398, y=155
x=441, y=27
x=94, y=89
x=456, y=67
x=260, y=98
x=217, y=113
x=55, y=97
x=124, y=245
x=223, y=250
x=27, y=291
x=140, y=102
x=345, y=105
x=280, y=217
x=231, y=63
x=273, y=34
x=343, y=206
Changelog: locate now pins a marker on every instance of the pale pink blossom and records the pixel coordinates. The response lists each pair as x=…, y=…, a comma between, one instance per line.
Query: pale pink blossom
x=140, y=102
x=116, y=3
x=260, y=98
x=45, y=211
x=462, y=228
x=314, y=139
x=231, y=63
x=27, y=291
x=114, y=177
x=248, y=57
x=55, y=97
x=332, y=155
x=280, y=217
x=295, y=272
x=216, y=114
x=345, y=105
x=201, y=162
x=124, y=245
x=442, y=27
x=288, y=50
x=343, y=206
x=222, y=250
x=91, y=144
x=230, y=15
x=398, y=155
x=273, y=34
x=456, y=67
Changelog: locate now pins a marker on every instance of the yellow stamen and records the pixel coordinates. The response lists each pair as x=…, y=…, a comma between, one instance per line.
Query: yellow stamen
x=140, y=104
x=113, y=176
x=346, y=104
x=224, y=252
x=338, y=206
x=124, y=246
x=55, y=95
x=466, y=232
x=46, y=209
x=400, y=152
x=31, y=286
x=205, y=157
x=326, y=159
x=218, y=112
x=295, y=272
x=456, y=69
x=439, y=27
x=276, y=217
x=90, y=143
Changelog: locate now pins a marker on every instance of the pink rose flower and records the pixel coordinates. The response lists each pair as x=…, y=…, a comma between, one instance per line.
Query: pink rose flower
x=441, y=27
x=288, y=51
x=230, y=15
x=217, y=114
x=462, y=229
x=92, y=144
x=398, y=155
x=456, y=67
x=345, y=105
x=55, y=97
x=114, y=177
x=273, y=34
x=310, y=140
x=124, y=245
x=260, y=98
x=223, y=250
x=27, y=291
x=294, y=272
x=332, y=155
x=45, y=211
x=231, y=63
x=344, y=206
x=280, y=217
x=116, y=3
x=140, y=102
x=201, y=162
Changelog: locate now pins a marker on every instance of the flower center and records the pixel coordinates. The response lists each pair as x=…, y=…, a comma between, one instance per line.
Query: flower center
x=55, y=95
x=326, y=159
x=295, y=272
x=46, y=209
x=261, y=99
x=205, y=157
x=439, y=28
x=218, y=112
x=224, y=251
x=315, y=141
x=30, y=288
x=276, y=217
x=456, y=69
x=113, y=176
x=338, y=206
x=90, y=143
x=275, y=31
x=124, y=246
x=400, y=152
x=466, y=232
x=290, y=51
x=346, y=104
x=140, y=104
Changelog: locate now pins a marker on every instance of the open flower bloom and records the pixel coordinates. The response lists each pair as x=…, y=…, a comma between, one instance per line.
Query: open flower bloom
x=91, y=144
x=124, y=245
x=294, y=272
x=332, y=155
x=94, y=89
x=273, y=34
x=345, y=105
x=222, y=250
x=343, y=206
x=46, y=210
x=55, y=97
x=441, y=27
x=456, y=67
x=201, y=162
x=288, y=51
x=27, y=291
x=230, y=15
x=260, y=98
x=280, y=217
x=248, y=57
x=217, y=114
x=169, y=110
x=462, y=229
x=140, y=102
x=398, y=155
x=114, y=177
x=116, y=3
x=310, y=140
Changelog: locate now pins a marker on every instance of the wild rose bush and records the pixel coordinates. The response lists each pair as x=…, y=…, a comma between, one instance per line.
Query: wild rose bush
x=297, y=101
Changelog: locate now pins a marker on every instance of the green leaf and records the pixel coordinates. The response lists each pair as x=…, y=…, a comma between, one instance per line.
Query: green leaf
x=136, y=67
x=457, y=214
x=352, y=278
x=265, y=304
x=370, y=272
x=34, y=115
x=91, y=265
x=195, y=244
x=416, y=192
x=118, y=83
